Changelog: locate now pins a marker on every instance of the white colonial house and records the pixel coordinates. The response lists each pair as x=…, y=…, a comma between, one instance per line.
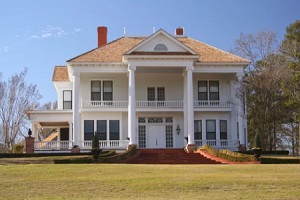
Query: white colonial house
x=161, y=91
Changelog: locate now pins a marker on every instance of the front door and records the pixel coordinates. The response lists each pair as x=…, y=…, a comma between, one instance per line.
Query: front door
x=156, y=136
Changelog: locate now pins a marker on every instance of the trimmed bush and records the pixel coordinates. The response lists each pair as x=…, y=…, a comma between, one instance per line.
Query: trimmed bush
x=119, y=157
x=95, y=142
x=279, y=160
x=18, y=148
x=228, y=155
x=28, y=155
x=73, y=161
x=266, y=152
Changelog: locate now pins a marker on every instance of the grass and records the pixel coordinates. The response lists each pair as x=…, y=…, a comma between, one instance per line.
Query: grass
x=116, y=181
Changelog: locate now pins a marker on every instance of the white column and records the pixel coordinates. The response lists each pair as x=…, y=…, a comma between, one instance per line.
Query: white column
x=131, y=106
x=76, y=117
x=70, y=134
x=190, y=105
x=233, y=127
x=185, y=118
x=241, y=113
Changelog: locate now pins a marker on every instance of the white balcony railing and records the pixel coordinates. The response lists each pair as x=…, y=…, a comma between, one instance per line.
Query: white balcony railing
x=218, y=143
x=104, y=104
x=159, y=104
x=118, y=144
x=218, y=104
x=50, y=145
x=154, y=104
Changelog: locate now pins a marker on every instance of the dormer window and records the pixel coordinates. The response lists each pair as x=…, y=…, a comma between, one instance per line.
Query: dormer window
x=160, y=47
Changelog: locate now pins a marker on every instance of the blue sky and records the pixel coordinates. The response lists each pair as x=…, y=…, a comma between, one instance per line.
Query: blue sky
x=40, y=34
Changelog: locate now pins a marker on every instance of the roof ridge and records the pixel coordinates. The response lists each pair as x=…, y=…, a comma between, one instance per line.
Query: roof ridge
x=220, y=49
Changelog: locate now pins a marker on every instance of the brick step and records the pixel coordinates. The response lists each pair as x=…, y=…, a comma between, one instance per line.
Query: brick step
x=169, y=156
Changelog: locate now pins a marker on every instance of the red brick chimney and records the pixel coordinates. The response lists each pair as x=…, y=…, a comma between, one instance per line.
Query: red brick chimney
x=102, y=35
x=179, y=31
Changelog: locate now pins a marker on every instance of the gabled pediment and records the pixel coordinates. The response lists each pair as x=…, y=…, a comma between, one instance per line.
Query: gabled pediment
x=161, y=43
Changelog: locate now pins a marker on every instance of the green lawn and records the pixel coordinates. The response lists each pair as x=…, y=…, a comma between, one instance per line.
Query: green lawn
x=109, y=181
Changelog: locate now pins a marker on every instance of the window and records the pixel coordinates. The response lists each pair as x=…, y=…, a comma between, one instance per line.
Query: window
x=160, y=47
x=142, y=136
x=96, y=90
x=208, y=90
x=114, y=133
x=202, y=91
x=198, y=129
x=169, y=136
x=101, y=90
x=107, y=90
x=101, y=129
x=67, y=99
x=214, y=90
x=88, y=129
x=210, y=129
x=223, y=129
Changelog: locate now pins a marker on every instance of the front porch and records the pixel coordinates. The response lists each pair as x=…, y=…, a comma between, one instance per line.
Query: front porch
x=123, y=144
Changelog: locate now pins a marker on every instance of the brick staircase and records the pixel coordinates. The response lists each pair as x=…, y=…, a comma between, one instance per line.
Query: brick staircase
x=168, y=156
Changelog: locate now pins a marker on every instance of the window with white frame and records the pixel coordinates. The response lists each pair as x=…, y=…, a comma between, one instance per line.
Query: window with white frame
x=101, y=90
x=208, y=90
x=88, y=129
x=114, y=130
x=198, y=129
x=223, y=129
x=67, y=99
x=210, y=129
x=101, y=129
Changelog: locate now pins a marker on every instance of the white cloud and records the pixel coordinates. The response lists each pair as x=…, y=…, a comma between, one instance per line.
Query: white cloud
x=4, y=49
x=53, y=31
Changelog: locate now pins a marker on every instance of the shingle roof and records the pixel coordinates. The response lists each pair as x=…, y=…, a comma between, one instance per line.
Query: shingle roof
x=113, y=51
x=60, y=74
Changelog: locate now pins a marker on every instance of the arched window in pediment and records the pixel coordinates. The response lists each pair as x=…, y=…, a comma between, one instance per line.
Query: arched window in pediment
x=160, y=47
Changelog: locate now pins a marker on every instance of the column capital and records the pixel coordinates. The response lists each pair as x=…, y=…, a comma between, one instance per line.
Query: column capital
x=131, y=68
x=76, y=74
x=189, y=68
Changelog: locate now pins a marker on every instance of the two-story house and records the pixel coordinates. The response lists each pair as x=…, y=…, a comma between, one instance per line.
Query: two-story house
x=161, y=91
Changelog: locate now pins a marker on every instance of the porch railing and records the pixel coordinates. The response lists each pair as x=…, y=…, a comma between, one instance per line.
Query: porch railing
x=218, y=143
x=154, y=104
x=201, y=104
x=109, y=144
x=104, y=104
x=159, y=104
x=49, y=145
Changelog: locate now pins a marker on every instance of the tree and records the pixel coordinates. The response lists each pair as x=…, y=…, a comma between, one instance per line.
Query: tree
x=290, y=48
x=262, y=86
x=16, y=99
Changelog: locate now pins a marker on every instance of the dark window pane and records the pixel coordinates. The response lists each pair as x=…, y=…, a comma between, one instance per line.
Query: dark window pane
x=198, y=129
x=214, y=96
x=214, y=90
x=210, y=129
x=107, y=96
x=223, y=129
x=114, y=130
x=88, y=129
x=67, y=99
x=101, y=129
x=96, y=86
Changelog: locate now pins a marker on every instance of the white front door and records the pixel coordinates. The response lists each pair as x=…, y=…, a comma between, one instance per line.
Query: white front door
x=156, y=136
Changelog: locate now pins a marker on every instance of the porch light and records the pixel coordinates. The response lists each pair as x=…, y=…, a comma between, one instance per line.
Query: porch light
x=178, y=129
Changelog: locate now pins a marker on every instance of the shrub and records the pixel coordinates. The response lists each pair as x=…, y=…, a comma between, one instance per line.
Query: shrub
x=279, y=160
x=18, y=148
x=256, y=142
x=95, y=142
x=119, y=157
x=228, y=155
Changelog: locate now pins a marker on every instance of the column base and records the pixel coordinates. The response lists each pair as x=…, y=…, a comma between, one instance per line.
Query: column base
x=75, y=150
x=190, y=148
x=242, y=147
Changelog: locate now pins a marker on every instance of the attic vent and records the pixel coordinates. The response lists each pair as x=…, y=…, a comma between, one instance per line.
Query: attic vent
x=160, y=47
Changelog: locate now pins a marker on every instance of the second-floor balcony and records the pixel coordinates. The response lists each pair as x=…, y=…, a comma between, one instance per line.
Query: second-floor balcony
x=154, y=104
